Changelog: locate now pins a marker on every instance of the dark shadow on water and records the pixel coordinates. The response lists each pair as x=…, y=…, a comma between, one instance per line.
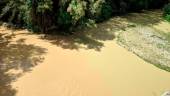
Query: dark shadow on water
x=90, y=38
x=16, y=56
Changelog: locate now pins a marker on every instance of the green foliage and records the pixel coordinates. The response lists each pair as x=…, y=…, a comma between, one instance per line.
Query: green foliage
x=11, y=10
x=166, y=10
x=77, y=10
x=64, y=19
x=106, y=12
x=140, y=4
x=167, y=17
x=41, y=15
x=84, y=22
x=44, y=5
x=95, y=7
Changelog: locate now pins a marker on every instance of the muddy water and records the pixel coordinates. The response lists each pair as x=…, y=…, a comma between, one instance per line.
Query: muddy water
x=113, y=71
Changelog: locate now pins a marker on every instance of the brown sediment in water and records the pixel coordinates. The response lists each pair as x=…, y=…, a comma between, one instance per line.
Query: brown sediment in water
x=112, y=71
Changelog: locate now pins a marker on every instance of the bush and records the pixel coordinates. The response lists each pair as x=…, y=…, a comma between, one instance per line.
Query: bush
x=41, y=15
x=167, y=17
x=166, y=11
x=105, y=13
x=64, y=19
x=77, y=10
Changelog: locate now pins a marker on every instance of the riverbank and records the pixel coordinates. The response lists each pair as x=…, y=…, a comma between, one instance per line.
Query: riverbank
x=149, y=41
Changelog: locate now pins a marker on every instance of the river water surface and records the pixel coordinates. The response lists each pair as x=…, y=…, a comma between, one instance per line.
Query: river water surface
x=112, y=71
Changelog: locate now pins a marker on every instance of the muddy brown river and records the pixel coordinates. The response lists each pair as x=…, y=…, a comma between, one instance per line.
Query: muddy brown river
x=112, y=71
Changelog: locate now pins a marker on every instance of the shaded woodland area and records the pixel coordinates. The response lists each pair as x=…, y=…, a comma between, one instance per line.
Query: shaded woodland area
x=48, y=15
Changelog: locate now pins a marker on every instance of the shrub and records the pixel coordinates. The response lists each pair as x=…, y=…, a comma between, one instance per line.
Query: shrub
x=77, y=10
x=166, y=11
x=41, y=15
x=105, y=13
x=64, y=19
x=167, y=17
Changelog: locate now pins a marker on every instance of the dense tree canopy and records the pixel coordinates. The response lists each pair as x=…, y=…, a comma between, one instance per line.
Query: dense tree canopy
x=46, y=15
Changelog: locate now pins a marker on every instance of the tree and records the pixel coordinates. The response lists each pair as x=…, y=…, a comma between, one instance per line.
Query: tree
x=42, y=15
